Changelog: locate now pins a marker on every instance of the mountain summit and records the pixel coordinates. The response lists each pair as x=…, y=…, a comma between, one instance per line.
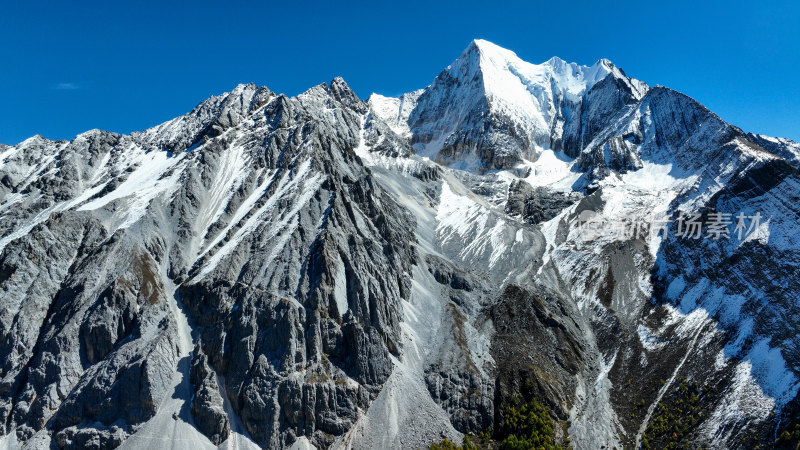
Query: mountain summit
x=490, y=109
x=321, y=271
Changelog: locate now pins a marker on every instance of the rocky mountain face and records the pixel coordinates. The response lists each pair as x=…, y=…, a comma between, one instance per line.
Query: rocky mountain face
x=324, y=271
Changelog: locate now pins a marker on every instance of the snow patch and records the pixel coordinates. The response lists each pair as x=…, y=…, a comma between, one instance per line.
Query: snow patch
x=146, y=182
x=551, y=169
x=340, y=289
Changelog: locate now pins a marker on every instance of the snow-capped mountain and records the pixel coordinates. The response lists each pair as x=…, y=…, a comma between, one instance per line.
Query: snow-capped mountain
x=324, y=271
x=490, y=109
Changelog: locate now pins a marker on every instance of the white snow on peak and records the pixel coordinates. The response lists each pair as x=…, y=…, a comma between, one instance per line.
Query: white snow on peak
x=394, y=111
x=509, y=78
x=488, y=79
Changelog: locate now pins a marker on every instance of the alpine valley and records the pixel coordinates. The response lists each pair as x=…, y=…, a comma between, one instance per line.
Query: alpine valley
x=323, y=271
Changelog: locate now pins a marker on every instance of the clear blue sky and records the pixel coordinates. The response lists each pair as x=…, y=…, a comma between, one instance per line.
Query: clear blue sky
x=71, y=66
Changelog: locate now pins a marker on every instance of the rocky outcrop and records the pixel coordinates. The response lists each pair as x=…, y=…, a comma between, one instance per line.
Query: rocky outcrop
x=537, y=204
x=538, y=350
x=207, y=405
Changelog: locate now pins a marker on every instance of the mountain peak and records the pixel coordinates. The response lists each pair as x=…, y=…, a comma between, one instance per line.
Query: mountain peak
x=488, y=81
x=499, y=68
x=481, y=54
x=489, y=48
x=604, y=62
x=342, y=92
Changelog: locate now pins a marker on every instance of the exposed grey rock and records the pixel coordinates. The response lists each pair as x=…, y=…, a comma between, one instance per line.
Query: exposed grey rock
x=466, y=396
x=207, y=404
x=77, y=438
x=538, y=349
x=537, y=204
x=332, y=311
